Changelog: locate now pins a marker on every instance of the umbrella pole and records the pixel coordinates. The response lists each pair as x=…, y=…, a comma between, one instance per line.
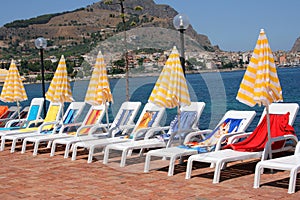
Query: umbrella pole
x=106, y=112
x=18, y=105
x=269, y=130
x=178, y=130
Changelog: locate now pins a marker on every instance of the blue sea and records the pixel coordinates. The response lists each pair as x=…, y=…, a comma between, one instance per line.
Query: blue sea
x=217, y=89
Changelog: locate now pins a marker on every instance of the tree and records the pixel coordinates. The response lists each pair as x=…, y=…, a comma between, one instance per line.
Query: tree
x=123, y=17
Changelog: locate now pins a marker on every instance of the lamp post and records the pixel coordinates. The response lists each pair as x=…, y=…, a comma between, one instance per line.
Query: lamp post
x=41, y=44
x=181, y=23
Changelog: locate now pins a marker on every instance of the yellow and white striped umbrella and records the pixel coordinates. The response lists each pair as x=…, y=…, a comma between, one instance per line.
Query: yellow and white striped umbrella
x=13, y=89
x=260, y=84
x=171, y=89
x=98, y=91
x=60, y=89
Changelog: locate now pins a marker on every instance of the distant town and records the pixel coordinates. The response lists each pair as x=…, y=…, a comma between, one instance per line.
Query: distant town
x=148, y=61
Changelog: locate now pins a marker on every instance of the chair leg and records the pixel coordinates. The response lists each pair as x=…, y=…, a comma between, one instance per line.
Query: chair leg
x=292, y=182
x=124, y=156
x=24, y=146
x=147, y=163
x=91, y=154
x=106, y=155
x=53, y=147
x=49, y=144
x=217, y=173
x=189, y=167
x=36, y=148
x=2, y=143
x=74, y=152
x=67, y=150
x=257, y=175
x=13, y=145
x=171, y=166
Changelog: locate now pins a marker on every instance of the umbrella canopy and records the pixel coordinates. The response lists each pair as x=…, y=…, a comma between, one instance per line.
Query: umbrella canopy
x=59, y=90
x=260, y=84
x=171, y=89
x=98, y=91
x=13, y=89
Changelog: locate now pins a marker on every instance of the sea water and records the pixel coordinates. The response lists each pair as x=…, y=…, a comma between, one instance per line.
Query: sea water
x=217, y=89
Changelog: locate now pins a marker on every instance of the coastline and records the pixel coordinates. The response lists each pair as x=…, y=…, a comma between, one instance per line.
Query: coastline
x=150, y=74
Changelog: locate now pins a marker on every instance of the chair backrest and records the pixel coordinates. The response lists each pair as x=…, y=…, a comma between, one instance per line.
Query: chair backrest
x=35, y=109
x=282, y=108
x=94, y=115
x=73, y=111
x=198, y=107
x=247, y=117
x=232, y=121
x=23, y=113
x=53, y=114
x=150, y=117
x=126, y=114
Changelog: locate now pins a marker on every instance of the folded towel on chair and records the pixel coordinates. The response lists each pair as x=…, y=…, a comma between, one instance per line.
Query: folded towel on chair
x=258, y=139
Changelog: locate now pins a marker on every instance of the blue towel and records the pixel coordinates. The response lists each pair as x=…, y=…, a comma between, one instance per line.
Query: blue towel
x=187, y=119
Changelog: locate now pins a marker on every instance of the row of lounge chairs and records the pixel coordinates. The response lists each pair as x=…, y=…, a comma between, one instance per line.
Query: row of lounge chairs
x=182, y=139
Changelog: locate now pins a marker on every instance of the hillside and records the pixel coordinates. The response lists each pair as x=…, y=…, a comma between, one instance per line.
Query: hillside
x=78, y=31
x=296, y=46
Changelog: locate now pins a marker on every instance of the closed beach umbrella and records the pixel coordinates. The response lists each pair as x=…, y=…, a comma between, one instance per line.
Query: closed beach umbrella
x=260, y=84
x=13, y=89
x=59, y=90
x=98, y=91
x=171, y=89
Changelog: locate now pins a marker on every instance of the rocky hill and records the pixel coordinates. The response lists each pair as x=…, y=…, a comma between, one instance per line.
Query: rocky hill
x=79, y=30
x=296, y=46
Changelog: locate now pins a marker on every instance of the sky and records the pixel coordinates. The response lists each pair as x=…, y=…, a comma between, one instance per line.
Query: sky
x=233, y=25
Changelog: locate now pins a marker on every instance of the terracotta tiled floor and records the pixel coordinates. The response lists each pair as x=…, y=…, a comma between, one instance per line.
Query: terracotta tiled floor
x=23, y=176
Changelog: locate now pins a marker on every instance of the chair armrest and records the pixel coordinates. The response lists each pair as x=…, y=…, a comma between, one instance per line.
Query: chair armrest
x=64, y=126
x=140, y=132
x=40, y=129
x=232, y=138
x=151, y=132
x=11, y=122
x=268, y=146
x=84, y=127
x=34, y=123
x=127, y=127
x=180, y=132
x=200, y=133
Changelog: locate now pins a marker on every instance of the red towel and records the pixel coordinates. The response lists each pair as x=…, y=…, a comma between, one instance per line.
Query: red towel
x=258, y=139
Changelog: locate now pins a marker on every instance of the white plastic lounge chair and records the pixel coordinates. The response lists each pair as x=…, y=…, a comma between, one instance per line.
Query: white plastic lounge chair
x=291, y=163
x=53, y=116
x=150, y=117
x=70, y=117
x=219, y=158
x=34, y=113
x=92, y=118
x=190, y=115
x=176, y=152
x=126, y=115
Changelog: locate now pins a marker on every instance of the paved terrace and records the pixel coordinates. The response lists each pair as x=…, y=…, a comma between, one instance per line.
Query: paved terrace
x=42, y=177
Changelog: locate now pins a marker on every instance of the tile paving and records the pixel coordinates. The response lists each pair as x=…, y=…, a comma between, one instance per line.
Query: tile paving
x=24, y=176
